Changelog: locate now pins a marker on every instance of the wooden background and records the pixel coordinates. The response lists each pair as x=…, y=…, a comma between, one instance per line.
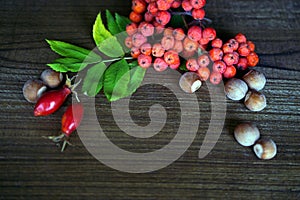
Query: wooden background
x=33, y=168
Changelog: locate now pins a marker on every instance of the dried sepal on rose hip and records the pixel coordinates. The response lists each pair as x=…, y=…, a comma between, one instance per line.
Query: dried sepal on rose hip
x=235, y=89
x=265, y=149
x=246, y=134
x=33, y=89
x=190, y=82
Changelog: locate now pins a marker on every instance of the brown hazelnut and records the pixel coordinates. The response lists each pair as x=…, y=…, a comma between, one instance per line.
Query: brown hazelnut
x=190, y=82
x=33, y=89
x=235, y=89
x=265, y=149
x=256, y=80
x=246, y=134
x=255, y=101
x=51, y=78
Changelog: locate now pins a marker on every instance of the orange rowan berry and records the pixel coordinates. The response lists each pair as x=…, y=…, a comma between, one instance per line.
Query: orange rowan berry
x=252, y=59
x=163, y=17
x=131, y=29
x=144, y=61
x=215, y=78
x=135, y=52
x=138, y=6
x=163, y=5
x=158, y=50
x=242, y=64
x=168, y=42
x=146, y=29
x=128, y=42
x=148, y=16
x=175, y=66
x=209, y=33
x=240, y=38
x=158, y=27
x=216, y=54
x=217, y=43
x=203, y=73
x=135, y=17
x=230, y=72
x=234, y=44
x=203, y=42
x=187, y=54
x=178, y=46
x=160, y=65
x=146, y=49
x=219, y=66
x=186, y=5
x=251, y=45
x=171, y=57
x=227, y=48
x=203, y=60
x=168, y=31
x=190, y=45
x=152, y=8
x=244, y=49
x=230, y=59
x=176, y=4
x=138, y=39
x=192, y=65
x=197, y=4
x=178, y=34
x=195, y=33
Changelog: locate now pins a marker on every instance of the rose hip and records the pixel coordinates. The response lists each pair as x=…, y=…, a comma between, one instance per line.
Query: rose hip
x=71, y=119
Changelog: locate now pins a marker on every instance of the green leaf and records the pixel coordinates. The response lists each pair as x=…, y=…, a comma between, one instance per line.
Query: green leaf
x=66, y=67
x=177, y=21
x=122, y=22
x=100, y=33
x=69, y=50
x=112, y=24
x=58, y=67
x=182, y=67
x=111, y=47
x=117, y=73
x=93, y=81
x=136, y=78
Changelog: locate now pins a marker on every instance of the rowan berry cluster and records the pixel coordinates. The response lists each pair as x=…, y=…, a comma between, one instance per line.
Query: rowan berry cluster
x=154, y=43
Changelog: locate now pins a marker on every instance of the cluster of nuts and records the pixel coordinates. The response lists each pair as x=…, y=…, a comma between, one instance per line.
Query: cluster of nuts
x=34, y=88
x=248, y=88
x=247, y=134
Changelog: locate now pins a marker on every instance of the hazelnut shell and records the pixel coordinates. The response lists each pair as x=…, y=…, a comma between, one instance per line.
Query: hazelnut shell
x=246, y=134
x=51, y=78
x=265, y=149
x=255, y=101
x=256, y=80
x=190, y=82
x=235, y=89
x=33, y=89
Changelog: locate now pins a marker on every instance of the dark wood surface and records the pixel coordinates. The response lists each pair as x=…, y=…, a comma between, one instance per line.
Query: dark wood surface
x=33, y=168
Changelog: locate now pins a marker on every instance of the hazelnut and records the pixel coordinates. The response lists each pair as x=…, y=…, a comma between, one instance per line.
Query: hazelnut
x=246, y=134
x=265, y=149
x=255, y=101
x=190, y=82
x=235, y=89
x=51, y=78
x=33, y=89
x=256, y=80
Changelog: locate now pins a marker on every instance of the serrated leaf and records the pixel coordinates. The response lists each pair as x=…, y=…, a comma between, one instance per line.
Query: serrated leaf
x=111, y=47
x=58, y=67
x=122, y=22
x=72, y=64
x=117, y=73
x=136, y=78
x=182, y=67
x=68, y=50
x=67, y=67
x=93, y=81
x=112, y=24
x=100, y=33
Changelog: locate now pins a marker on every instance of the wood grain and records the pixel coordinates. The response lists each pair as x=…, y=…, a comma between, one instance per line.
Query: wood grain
x=33, y=168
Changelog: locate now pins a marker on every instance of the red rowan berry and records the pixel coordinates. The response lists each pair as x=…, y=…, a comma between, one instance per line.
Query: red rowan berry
x=251, y=45
x=160, y=65
x=178, y=34
x=198, y=14
x=227, y=48
x=138, y=6
x=131, y=29
x=176, y=4
x=178, y=46
x=203, y=73
x=234, y=44
x=171, y=57
x=252, y=59
x=158, y=50
x=146, y=49
x=168, y=42
x=152, y=8
x=128, y=42
x=236, y=57
x=144, y=61
x=219, y=66
x=135, y=52
x=203, y=60
x=138, y=39
x=240, y=38
x=163, y=5
x=195, y=33
x=215, y=78
x=229, y=59
x=187, y=54
x=244, y=49
x=197, y=4
x=242, y=64
x=146, y=29
x=192, y=65
x=186, y=5
x=203, y=42
x=217, y=43
x=174, y=66
x=148, y=17
x=135, y=17
x=230, y=72
x=209, y=33
x=190, y=45
x=168, y=31
x=163, y=17
x=216, y=54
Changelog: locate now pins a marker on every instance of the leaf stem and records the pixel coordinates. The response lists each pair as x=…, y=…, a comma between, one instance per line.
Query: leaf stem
x=117, y=59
